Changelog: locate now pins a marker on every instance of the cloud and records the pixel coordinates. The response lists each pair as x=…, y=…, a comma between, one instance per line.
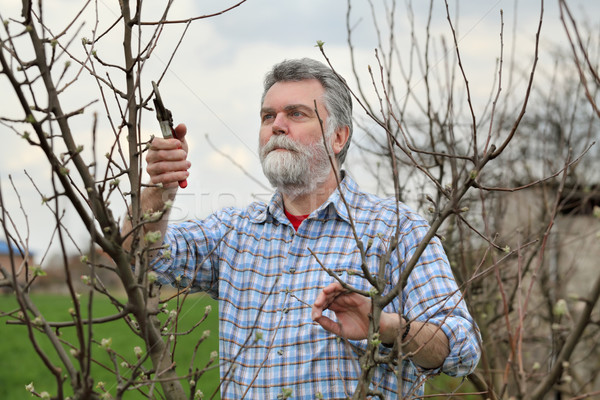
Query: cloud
x=285, y=23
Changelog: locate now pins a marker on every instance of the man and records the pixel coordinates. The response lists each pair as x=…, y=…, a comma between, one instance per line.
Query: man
x=287, y=328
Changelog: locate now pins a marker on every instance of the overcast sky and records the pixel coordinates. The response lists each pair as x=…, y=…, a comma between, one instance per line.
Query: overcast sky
x=215, y=82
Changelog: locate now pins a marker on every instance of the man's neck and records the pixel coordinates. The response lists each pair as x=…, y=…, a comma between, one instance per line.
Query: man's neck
x=305, y=204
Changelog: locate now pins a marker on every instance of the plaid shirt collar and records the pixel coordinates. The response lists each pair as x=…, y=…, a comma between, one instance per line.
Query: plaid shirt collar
x=334, y=204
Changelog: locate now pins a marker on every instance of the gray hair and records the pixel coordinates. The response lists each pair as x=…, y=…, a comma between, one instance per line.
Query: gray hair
x=337, y=99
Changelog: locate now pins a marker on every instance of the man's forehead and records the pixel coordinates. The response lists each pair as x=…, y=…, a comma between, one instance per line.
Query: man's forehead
x=294, y=94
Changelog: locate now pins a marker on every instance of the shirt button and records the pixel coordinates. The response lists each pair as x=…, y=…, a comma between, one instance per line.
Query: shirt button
x=292, y=270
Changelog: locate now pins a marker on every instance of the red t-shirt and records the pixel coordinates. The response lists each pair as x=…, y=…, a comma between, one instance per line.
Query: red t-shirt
x=296, y=220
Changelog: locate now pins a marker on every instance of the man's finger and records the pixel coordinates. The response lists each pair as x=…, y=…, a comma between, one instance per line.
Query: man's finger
x=333, y=288
x=180, y=131
x=321, y=300
x=169, y=178
x=168, y=155
x=329, y=325
x=165, y=144
x=161, y=167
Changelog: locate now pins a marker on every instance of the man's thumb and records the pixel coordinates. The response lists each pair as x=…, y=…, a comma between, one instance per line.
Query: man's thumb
x=180, y=131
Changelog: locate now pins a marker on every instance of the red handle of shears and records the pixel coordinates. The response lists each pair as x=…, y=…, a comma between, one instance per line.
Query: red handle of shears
x=182, y=184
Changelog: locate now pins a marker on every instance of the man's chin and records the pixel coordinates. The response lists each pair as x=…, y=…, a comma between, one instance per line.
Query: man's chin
x=286, y=183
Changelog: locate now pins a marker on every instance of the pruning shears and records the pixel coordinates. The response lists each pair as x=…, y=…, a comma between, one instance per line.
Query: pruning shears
x=165, y=119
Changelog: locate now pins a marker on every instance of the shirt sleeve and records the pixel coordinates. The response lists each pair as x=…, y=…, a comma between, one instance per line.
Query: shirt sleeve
x=431, y=295
x=190, y=254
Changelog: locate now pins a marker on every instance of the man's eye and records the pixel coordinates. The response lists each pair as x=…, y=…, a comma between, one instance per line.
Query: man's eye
x=267, y=117
x=297, y=114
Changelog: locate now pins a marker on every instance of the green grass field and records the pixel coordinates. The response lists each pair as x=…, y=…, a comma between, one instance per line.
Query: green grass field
x=20, y=364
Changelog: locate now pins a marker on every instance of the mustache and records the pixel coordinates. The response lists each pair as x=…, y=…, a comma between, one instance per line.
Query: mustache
x=280, y=142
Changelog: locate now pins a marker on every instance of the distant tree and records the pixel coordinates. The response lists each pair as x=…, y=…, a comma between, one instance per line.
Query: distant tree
x=469, y=165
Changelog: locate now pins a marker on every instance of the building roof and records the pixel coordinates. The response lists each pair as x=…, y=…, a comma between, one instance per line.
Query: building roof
x=4, y=248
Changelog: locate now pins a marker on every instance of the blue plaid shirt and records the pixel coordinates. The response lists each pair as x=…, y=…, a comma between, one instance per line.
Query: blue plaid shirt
x=266, y=280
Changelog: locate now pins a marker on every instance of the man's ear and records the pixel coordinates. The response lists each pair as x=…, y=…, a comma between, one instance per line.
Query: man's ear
x=340, y=137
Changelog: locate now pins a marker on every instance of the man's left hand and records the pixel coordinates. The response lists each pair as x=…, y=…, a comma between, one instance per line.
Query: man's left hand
x=351, y=309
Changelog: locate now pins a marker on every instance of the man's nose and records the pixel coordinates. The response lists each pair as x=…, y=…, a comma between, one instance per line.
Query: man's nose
x=280, y=125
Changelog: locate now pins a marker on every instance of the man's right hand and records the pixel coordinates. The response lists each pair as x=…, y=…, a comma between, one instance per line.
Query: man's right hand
x=167, y=164
x=167, y=159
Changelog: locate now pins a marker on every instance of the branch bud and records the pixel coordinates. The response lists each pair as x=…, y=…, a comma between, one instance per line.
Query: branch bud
x=152, y=277
x=560, y=308
x=152, y=237
x=105, y=343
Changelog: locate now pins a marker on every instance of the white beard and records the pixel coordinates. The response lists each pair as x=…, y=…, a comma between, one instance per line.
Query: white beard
x=299, y=169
